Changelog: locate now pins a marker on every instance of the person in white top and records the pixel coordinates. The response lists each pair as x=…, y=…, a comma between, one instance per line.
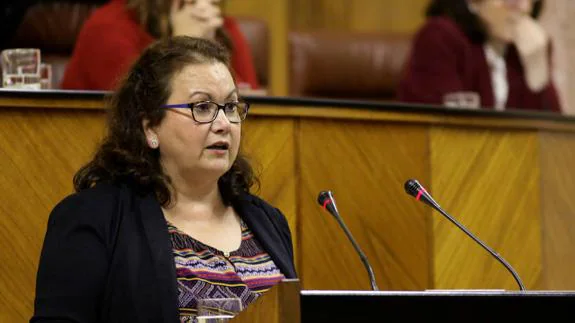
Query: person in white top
x=490, y=54
x=509, y=21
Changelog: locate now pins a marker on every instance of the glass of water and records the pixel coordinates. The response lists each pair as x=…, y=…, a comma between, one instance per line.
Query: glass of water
x=218, y=310
x=21, y=68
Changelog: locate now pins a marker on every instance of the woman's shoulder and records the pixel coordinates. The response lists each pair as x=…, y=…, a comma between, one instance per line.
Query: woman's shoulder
x=253, y=201
x=112, y=17
x=98, y=193
x=91, y=205
x=442, y=29
x=257, y=201
x=441, y=23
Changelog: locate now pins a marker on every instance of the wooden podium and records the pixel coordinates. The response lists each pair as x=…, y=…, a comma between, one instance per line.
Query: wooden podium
x=287, y=303
x=521, y=164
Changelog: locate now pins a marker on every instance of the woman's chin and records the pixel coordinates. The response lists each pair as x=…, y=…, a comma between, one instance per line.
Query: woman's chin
x=217, y=167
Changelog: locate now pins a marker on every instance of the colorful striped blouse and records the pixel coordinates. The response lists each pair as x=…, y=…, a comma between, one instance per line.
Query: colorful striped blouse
x=205, y=272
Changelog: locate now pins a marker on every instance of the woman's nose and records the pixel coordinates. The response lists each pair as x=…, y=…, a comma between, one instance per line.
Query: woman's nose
x=221, y=122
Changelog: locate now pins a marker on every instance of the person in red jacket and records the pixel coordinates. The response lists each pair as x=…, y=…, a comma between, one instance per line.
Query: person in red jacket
x=118, y=32
x=493, y=48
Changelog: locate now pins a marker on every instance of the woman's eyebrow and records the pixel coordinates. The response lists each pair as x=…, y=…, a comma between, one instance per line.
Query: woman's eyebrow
x=202, y=93
x=234, y=91
x=210, y=97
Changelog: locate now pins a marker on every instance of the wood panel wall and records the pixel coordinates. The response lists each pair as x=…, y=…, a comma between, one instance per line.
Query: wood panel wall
x=275, y=14
x=558, y=207
x=508, y=180
x=403, y=16
x=40, y=151
x=488, y=180
x=365, y=165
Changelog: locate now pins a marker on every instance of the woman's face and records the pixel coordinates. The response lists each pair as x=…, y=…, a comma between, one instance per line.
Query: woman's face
x=186, y=146
x=502, y=16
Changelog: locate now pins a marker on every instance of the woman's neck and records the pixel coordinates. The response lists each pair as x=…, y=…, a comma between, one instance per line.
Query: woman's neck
x=188, y=191
x=498, y=46
x=199, y=199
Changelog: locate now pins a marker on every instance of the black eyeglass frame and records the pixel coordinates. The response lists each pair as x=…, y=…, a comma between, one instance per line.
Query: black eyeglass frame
x=223, y=107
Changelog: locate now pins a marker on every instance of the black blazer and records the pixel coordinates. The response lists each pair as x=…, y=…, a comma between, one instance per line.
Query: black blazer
x=107, y=256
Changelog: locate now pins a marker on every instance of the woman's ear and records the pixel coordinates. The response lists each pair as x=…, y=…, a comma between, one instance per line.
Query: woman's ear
x=151, y=134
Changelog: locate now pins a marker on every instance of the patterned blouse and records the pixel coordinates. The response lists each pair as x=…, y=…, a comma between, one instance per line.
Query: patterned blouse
x=205, y=272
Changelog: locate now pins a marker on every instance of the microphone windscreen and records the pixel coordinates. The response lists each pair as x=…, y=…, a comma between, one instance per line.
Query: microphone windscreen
x=322, y=197
x=412, y=187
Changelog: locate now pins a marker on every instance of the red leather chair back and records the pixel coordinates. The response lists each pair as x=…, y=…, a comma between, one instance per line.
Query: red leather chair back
x=346, y=65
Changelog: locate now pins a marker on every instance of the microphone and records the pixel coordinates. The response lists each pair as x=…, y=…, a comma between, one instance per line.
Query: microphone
x=413, y=188
x=326, y=200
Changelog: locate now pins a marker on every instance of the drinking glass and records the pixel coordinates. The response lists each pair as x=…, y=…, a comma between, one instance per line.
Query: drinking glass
x=21, y=68
x=218, y=310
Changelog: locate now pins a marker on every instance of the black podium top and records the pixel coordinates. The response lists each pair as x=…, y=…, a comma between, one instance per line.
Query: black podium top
x=436, y=306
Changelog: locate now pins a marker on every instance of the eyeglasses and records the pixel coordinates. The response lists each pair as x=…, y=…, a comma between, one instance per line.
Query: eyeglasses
x=207, y=111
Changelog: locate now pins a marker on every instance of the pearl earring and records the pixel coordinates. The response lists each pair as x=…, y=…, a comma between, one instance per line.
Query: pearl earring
x=154, y=142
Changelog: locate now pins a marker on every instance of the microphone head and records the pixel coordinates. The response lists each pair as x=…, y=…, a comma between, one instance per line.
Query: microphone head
x=326, y=200
x=412, y=187
x=323, y=197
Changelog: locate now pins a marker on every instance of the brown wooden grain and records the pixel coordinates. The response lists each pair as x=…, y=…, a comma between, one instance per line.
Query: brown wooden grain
x=558, y=210
x=40, y=151
x=365, y=165
x=488, y=180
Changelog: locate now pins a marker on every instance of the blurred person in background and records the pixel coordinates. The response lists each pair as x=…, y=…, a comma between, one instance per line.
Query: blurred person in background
x=494, y=48
x=116, y=34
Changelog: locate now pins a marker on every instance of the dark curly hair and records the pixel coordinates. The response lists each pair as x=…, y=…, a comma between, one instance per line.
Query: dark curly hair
x=470, y=23
x=124, y=155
